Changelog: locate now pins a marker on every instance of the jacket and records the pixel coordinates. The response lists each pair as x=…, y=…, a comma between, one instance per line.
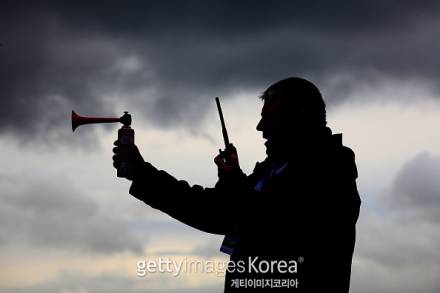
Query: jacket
x=299, y=215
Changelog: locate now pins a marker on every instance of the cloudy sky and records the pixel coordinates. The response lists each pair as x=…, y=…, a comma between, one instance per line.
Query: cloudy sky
x=67, y=223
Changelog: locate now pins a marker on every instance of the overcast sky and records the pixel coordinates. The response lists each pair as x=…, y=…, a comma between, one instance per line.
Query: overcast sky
x=67, y=224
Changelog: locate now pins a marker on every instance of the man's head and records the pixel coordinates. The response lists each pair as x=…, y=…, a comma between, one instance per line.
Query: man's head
x=292, y=107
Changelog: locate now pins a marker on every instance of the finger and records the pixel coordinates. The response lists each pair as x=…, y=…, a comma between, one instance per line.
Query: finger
x=222, y=165
x=116, y=162
x=116, y=150
x=117, y=143
x=218, y=160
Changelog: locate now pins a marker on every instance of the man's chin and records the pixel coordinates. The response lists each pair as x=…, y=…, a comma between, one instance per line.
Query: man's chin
x=275, y=149
x=269, y=147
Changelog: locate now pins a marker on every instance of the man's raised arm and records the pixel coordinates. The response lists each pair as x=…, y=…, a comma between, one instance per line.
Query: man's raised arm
x=208, y=209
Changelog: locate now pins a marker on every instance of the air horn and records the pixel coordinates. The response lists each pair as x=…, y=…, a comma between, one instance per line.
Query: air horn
x=78, y=120
x=125, y=137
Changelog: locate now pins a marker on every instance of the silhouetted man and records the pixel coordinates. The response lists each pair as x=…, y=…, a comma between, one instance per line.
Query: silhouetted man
x=288, y=226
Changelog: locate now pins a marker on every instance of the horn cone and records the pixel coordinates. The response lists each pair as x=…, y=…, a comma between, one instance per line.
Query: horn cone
x=78, y=120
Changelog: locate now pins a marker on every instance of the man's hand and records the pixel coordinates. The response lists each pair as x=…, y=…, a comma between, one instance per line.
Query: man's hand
x=227, y=162
x=132, y=155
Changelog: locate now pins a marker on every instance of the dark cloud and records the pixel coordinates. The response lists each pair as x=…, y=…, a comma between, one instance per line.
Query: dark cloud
x=409, y=225
x=47, y=214
x=166, y=61
x=416, y=188
x=402, y=238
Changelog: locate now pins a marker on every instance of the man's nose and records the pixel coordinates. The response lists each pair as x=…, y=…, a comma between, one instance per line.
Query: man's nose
x=260, y=125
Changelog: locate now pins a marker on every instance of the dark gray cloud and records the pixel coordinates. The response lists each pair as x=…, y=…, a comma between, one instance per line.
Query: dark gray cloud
x=401, y=240
x=166, y=61
x=47, y=214
x=409, y=226
x=416, y=189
